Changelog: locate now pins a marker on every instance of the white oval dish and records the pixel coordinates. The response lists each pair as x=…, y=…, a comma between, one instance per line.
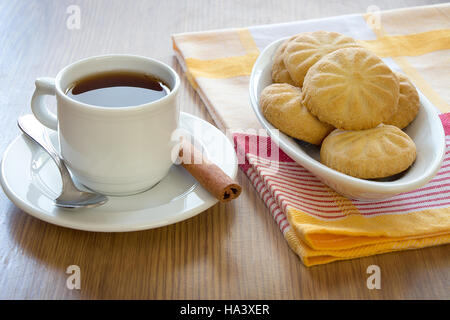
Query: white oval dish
x=426, y=131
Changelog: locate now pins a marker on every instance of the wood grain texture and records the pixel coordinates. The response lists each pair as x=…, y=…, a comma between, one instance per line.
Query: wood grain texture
x=231, y=251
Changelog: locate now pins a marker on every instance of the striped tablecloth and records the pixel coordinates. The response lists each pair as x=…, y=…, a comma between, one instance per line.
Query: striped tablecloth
x=320, y=225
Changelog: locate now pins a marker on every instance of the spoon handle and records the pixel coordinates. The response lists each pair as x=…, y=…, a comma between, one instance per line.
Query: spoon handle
x=36, y=131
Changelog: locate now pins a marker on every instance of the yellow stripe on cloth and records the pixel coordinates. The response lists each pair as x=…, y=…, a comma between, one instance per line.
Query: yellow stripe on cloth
x=311, y=257
x=187, y=73
x=354, y=231
x=222, y=68
x=422, y=84
x=383, y=45
x=247, y=41
x=409, y=45
x=230, y=66
x=345, y=204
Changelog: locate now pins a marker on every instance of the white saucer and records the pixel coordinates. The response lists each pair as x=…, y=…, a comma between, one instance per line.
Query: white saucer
x=32, y=181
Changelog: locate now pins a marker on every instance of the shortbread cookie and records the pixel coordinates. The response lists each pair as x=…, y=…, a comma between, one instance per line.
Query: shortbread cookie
x=374, y=153
x=281, y=105
x=279, y=71
x=408, y=103
x=351, y=89
x=305, y=49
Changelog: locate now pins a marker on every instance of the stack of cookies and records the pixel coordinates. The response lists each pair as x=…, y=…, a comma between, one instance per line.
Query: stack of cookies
x=330, y=91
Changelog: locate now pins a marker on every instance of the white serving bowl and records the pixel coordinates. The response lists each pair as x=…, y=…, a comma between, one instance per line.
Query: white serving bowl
x=426, y=131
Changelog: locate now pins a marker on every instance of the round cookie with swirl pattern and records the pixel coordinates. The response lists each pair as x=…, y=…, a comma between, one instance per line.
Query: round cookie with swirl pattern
x=305, y=49
x=369, y=154
x=279, y=70
x=281, y=105
x=408, y=103
x=351, y=89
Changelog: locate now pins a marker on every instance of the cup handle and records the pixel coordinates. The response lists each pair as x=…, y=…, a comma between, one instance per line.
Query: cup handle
x=44, y=86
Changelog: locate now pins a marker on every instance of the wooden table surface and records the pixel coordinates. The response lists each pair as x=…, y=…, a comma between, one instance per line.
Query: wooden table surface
x=231, y=251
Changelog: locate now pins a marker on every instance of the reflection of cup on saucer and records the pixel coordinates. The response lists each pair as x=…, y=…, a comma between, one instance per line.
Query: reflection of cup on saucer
x=117, y=149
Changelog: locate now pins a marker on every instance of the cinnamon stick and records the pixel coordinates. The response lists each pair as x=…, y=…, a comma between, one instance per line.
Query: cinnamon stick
x=209, y=175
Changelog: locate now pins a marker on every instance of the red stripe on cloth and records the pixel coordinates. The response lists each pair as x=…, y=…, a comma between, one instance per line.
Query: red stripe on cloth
x=446, y=166
x=283, y=183
x=379, y=208
x=271, y=204
x=411, y=209
x=429, y=188
x=294, y=181
x=288, y=186
x=445, y=118
x=400, y=200
x=284, y=228
x=296, y=173
x=263, y=148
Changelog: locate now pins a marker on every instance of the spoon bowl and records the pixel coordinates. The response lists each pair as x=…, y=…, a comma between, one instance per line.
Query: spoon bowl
x=82, y=200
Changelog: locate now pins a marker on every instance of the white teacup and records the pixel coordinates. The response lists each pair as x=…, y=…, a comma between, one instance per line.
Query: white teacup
x=115, y=151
